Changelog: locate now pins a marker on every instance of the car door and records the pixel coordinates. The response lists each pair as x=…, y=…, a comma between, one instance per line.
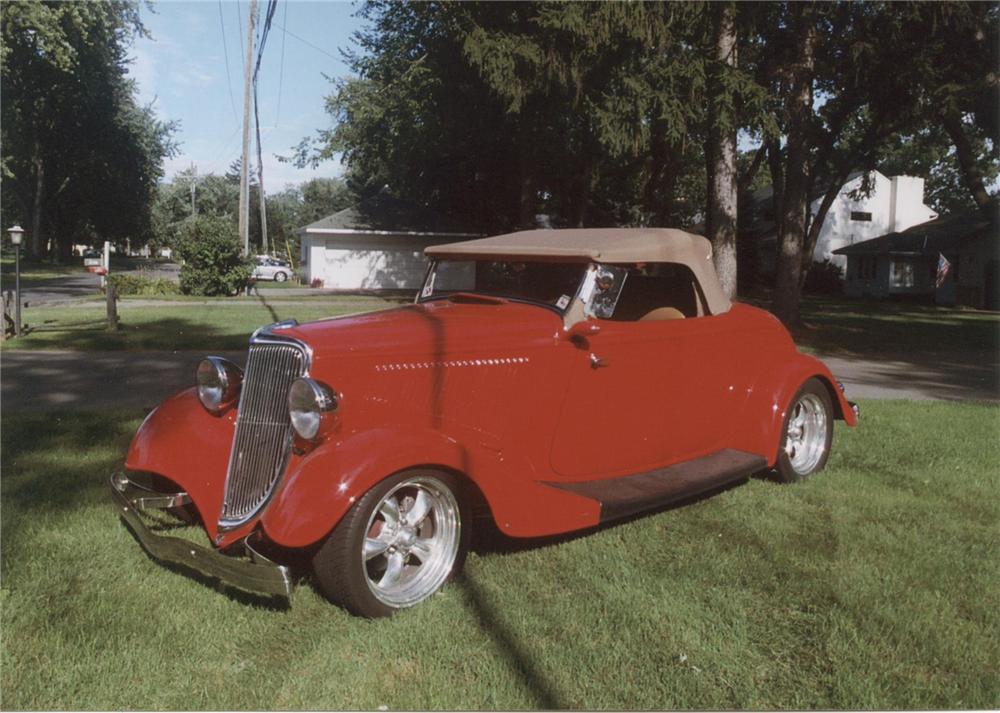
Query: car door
x=644, y=394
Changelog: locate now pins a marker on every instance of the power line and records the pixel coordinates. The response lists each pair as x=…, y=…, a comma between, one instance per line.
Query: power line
x=239, y=27
x=306, y=42
x=281, y=71
x=229, y=79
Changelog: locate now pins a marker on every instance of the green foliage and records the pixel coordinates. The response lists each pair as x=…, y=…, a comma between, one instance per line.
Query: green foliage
x=81, y=158
x=213, y=259
x=218, y=197
x=126, y=284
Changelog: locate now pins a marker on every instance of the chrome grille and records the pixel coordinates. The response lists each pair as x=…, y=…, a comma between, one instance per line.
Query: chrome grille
x=263, y=436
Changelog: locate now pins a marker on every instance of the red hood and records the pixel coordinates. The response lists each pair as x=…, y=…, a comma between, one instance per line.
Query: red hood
x=430, y=329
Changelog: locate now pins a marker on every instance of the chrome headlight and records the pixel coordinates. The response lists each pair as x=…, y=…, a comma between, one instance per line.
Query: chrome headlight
x=308, y=400
x=219, y=382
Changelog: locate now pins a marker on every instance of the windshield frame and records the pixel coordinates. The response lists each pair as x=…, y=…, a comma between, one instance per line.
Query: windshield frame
x=585, y=270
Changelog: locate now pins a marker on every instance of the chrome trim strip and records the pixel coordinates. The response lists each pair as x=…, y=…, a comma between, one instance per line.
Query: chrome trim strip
x=255, y=574
x=144, y=498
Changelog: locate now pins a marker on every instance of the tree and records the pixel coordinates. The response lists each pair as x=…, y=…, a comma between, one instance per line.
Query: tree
x=213, y=259
x=81, y=157
x=852, y=81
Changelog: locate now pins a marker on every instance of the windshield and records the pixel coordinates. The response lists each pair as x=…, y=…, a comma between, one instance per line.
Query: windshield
x=549, y=283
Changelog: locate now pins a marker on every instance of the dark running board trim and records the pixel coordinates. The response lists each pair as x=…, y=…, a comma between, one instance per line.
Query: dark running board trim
x=631, y=494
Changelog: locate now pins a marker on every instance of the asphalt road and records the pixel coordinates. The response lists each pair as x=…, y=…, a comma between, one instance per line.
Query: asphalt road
x=70, y=288
x=48, y=380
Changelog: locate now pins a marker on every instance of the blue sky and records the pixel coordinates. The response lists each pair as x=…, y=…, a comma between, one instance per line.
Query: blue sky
x=182, y=69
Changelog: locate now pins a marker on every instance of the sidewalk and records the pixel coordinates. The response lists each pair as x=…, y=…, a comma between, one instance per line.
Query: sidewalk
x=48, y=380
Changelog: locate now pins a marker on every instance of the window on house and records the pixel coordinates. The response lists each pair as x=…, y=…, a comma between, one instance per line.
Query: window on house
x=866, y=267
x=861, y=215
x=901, y=274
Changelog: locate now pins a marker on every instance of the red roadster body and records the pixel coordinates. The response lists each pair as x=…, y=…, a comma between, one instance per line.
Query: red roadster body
x=558, y=378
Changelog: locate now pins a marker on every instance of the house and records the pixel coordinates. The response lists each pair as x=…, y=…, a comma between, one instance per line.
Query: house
x=889, y=205
x=907, y=262
x=377, y=244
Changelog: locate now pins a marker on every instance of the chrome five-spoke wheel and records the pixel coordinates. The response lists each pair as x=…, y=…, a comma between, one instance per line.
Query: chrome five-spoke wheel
x=396, y=546
x=807, y=434
x=411, y=541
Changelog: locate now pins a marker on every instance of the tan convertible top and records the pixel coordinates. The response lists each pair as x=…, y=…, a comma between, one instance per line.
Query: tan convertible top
x=608, y=245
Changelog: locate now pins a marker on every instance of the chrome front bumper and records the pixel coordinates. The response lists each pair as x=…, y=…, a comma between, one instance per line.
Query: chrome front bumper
x=251, y=572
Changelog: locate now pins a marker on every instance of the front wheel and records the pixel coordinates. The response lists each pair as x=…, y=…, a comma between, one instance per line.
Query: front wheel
x=807, y=433
x=280, y=277
x=396, y=547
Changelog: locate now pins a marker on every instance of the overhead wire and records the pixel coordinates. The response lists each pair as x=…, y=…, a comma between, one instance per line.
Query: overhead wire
x=225, y=51
x=281, y=70
x=306, y=42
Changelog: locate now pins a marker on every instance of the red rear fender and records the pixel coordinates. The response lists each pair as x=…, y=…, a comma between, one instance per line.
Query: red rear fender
x=766, y=408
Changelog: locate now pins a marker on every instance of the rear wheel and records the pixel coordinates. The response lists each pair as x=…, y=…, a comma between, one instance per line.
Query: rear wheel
x=396, y=547
x=280, y=276
x=807, y=433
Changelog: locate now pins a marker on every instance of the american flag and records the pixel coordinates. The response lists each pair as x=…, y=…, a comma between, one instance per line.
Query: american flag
x=942, y=269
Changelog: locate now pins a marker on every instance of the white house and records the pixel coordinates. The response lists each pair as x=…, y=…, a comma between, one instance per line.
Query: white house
x=370, y=247
x=890, y=206
x=893, y=205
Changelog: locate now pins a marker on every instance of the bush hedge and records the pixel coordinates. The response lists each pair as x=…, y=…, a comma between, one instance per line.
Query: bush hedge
x=142, y=285
x=213, y=260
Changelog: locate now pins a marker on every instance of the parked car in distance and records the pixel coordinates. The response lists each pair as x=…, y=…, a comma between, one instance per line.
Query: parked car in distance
x=271, y=268
x=548, y=380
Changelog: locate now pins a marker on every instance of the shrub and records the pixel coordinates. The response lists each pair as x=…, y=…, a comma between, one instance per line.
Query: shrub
x=824, y=278
x=316, y=282
x=142, y=285
x=213, y=263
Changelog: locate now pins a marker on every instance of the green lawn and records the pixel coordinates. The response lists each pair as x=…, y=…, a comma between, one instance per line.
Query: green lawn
x=873, y=585
x=874, y=328
x=172, y=324
x=37, y=270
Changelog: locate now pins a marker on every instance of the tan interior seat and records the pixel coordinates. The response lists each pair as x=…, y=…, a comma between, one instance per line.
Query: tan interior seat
x=661, y=313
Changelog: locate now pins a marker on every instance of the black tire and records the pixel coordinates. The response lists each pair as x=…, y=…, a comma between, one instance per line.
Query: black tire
x=346, y=576
x=280, y=276
x=805, y=447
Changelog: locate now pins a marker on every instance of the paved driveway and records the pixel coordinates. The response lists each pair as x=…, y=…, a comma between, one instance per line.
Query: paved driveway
x=46, y=380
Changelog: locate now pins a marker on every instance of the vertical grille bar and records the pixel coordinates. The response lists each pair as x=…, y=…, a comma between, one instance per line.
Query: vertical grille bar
x=263, y=437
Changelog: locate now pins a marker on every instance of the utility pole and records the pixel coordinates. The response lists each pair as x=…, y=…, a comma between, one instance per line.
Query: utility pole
x=244, y=162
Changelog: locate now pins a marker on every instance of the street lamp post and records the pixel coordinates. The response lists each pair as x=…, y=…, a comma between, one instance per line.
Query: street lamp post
x=16, y=233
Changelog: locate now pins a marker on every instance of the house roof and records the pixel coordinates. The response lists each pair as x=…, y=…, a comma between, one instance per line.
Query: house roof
x=610, y=245
x=943, y=234
x=382, y=214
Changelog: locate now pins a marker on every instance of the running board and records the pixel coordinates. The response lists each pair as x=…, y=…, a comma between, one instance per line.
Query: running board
x=631, y=494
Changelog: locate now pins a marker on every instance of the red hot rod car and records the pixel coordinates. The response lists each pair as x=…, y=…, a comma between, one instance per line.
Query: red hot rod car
x=555, y=379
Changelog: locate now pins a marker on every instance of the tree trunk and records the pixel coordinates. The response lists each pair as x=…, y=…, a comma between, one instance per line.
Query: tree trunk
x=722, y=175
x=36, y=245
x=971, y=174
x=526, y=197
x=777, y=182
x=792, y=232
x=816, y=225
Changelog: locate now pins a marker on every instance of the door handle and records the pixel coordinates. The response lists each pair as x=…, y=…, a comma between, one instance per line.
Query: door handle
x=596, y=362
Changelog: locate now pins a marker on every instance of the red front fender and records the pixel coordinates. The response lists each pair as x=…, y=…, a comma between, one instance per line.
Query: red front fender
x=183, y=442
x=319, y=490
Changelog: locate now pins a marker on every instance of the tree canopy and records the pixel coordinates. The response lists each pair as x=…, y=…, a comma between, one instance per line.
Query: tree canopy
x=81, y=157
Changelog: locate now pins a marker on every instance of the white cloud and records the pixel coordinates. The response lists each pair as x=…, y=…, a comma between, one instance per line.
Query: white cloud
x=143, y=71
